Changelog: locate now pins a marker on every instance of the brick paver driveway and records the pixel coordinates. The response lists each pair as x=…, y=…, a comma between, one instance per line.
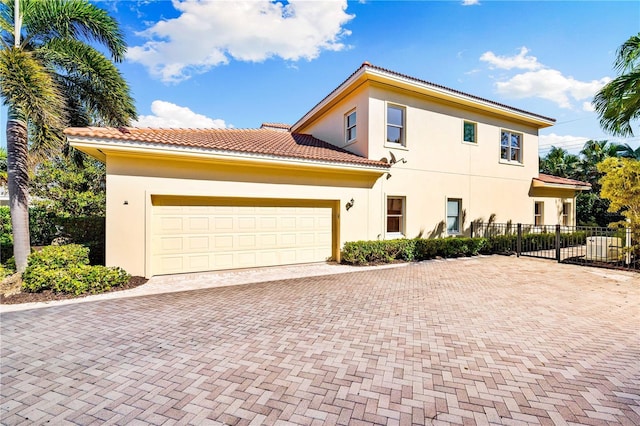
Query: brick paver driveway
x=484, y=340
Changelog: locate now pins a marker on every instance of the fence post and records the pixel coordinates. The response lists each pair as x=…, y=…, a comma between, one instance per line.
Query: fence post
x=628, y=244
x=519, y=240
x=472, y=223
x=558, y=243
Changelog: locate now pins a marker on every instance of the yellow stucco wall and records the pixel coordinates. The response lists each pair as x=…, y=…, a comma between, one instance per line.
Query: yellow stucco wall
x=132, y=181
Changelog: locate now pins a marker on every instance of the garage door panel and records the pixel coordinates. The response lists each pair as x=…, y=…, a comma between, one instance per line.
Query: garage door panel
x=201, y=238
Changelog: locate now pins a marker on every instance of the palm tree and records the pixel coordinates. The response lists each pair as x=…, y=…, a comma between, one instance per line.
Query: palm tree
x=559, y=162
x=627, y=152
x=593, y=152
x=618, y=103
x=51, y=77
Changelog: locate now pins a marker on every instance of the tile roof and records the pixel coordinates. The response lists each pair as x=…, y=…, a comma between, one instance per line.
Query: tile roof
x=249, y=141
x=282, y=126
x=560, y=180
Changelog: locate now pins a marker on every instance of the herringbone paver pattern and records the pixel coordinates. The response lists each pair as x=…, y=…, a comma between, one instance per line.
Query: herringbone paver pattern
x=472, y=341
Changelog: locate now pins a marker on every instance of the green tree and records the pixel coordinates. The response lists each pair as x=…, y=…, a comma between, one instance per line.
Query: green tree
x=558, y=162
x=621, y=185
x=627, y=152
x=618, y=102
x=51, y=77
x=64, y=188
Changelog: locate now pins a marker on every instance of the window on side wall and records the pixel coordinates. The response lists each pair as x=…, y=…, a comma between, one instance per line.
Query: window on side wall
x=396, y=124
x=469, y=132
x=538, y=213
x=395, y=216
x=454, y=216
x=566, y=214
x=350, y=127
x=511, y=146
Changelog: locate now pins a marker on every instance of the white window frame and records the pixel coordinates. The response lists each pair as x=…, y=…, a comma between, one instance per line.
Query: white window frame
x=475, y=132
x=402, y=216
x=539, y=215
x=403, y=127
x=459, y=217
x=509, y=149
x=347, y=128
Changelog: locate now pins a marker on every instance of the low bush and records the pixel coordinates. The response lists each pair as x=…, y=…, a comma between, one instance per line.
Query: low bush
x=77, y=279
x=386, y=251
x=57, y=257
x=65, y=269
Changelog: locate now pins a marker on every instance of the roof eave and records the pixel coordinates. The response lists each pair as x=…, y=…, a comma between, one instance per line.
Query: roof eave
x=541, y=184
x=370, y=73
x=99, y=147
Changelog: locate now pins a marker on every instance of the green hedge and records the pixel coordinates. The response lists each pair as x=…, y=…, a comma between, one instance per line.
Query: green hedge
x=386, y=251
x=65, y=269
x=44, y=227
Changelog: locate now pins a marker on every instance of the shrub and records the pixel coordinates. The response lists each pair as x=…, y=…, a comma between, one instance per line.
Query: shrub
x=55, y=257
x=65, y=269
x=386, y=251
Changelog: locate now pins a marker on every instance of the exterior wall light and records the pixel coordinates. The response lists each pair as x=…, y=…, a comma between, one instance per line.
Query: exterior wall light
x=349, y=204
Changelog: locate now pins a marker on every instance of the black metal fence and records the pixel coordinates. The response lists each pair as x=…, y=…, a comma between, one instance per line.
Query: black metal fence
x=612, y=248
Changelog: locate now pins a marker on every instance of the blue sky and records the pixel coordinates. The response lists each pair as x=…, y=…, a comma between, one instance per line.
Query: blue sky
x=238, y=64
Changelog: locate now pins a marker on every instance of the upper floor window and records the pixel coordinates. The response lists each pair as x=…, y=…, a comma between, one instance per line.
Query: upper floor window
x=511, y=146
x=566, y=214
x=454, y=212
x=350, y=126
x=395, y=124
x=538, y=213
x=395, y=215
x=469, y=132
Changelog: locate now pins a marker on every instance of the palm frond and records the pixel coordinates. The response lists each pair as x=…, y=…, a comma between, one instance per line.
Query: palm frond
x=618, y=103
x=6, y=20
x=628, y=54
x=74, y=19
x=26, y=86
x=91, y=81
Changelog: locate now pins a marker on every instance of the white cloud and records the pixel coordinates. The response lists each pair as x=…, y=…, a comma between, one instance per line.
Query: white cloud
x=568, y=142
x=520, y=61
x=168, y=115
x=470, y=2
x=551, y=85
x=211, y=33
x=588, y=106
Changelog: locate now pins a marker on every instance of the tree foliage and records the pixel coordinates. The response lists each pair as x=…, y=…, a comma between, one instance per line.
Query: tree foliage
x=591, y=209
x=618, y=102
x=57, y=72
x=66, y=189
x=621, y=185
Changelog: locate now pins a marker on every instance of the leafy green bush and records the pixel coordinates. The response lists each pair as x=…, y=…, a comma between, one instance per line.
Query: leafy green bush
x=65, y=269
x=386, y=251
x=76, y=279
x=56, y=257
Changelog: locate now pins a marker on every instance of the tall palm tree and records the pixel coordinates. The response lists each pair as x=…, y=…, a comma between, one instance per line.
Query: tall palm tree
x=618, y=103
x=51, y=77
x=559, y=162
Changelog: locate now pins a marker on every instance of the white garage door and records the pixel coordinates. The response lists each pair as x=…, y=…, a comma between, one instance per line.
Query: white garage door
x=187, y=238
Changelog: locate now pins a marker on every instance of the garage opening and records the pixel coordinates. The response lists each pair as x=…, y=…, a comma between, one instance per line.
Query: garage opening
x=194, y=234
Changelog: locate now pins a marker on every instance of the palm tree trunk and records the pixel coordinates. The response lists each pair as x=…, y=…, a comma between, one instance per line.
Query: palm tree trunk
x=18, y=171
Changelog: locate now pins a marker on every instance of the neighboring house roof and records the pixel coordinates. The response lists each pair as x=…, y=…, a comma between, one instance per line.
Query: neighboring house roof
x=551, y=181
x=276, y=126
x=271, y=143
x=396, y=79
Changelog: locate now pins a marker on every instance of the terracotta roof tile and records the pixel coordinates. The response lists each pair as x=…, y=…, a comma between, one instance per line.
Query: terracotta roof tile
x=282, y=126
x=560, y=180
x=251, y=141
